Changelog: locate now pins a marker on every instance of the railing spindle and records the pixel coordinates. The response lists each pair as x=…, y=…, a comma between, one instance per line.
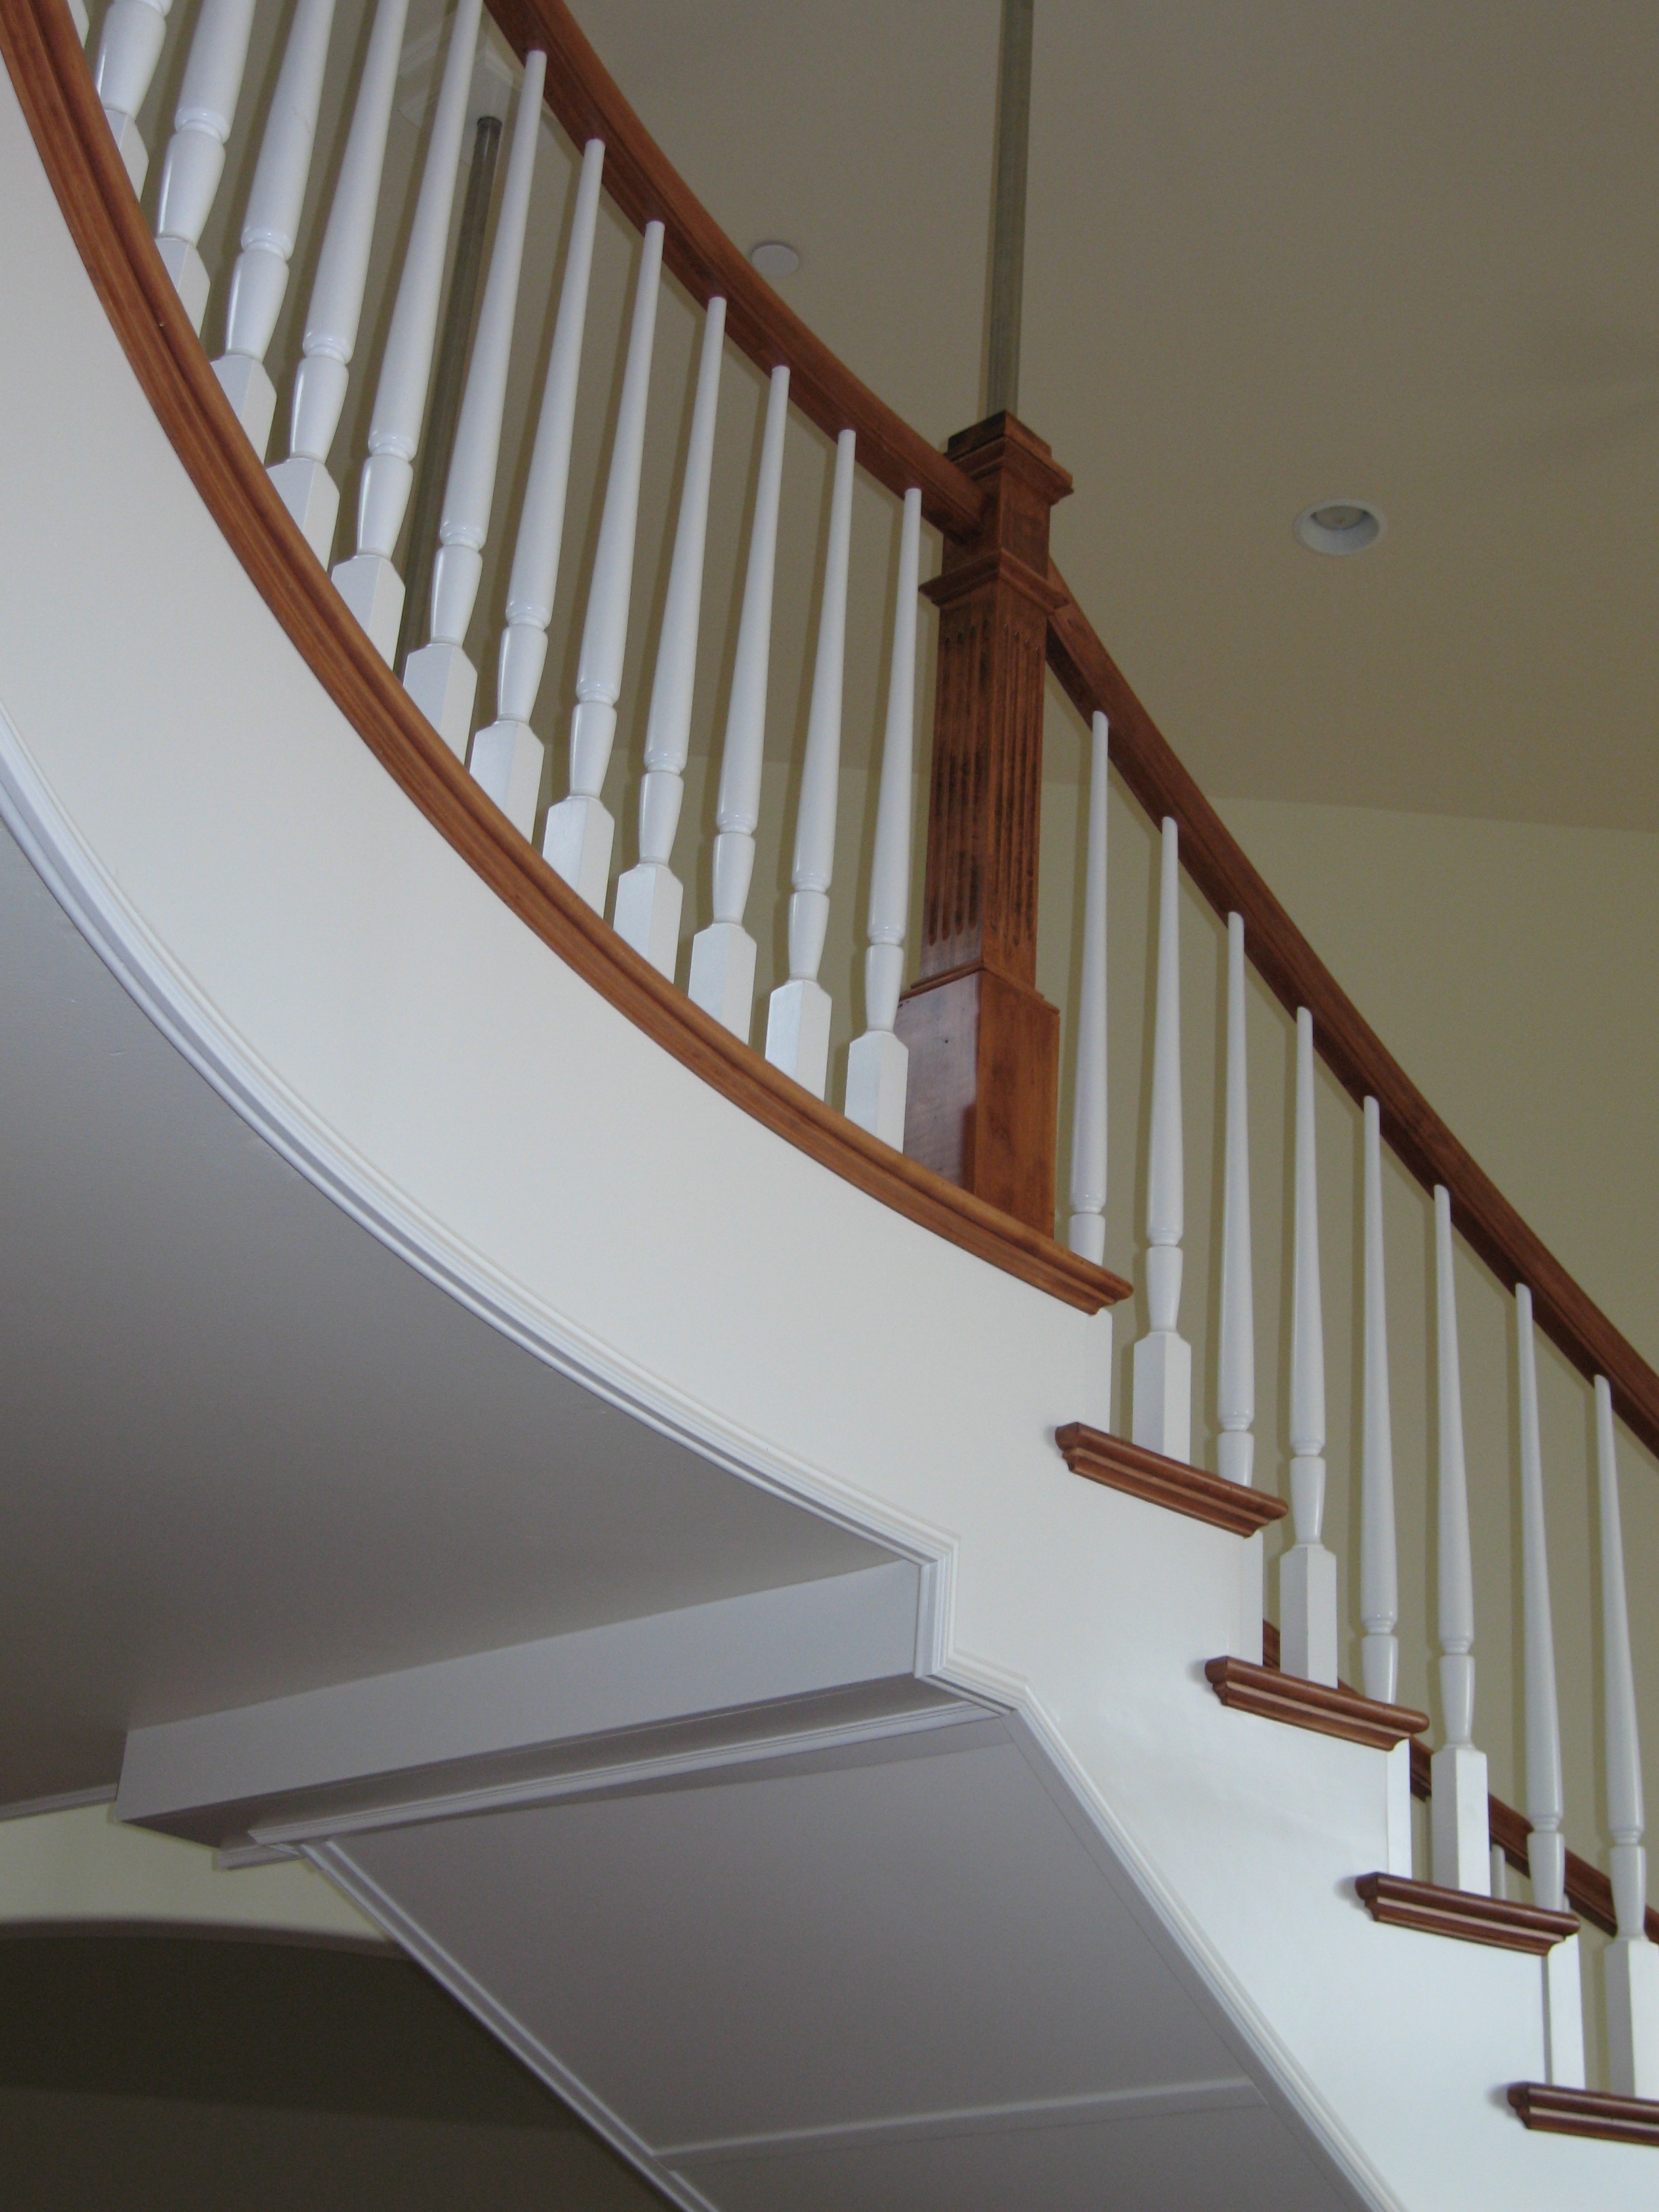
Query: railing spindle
x=507, y=756
x=580, y=829
x=1162, y=1405
x=195, y=158
x=1086, y=1229
x=128, y=47
x=1307, y=1572
x=309, y=493
x=650, y=896
x=1546, y=1802
x=1632, y=1964
x=1379, y=1570
x=438, y=677
x=722, y=981
x=1461, y=1831
x=878, y=1064
x=258, y=282
x=1236, y=1351
x=798, y=1016
x=368, y=582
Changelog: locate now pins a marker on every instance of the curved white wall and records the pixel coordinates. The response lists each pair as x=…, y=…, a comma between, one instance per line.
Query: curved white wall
x=210, y=818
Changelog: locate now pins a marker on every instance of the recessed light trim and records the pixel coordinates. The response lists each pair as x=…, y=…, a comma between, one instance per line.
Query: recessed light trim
x=775, y=259
x=1339, y=525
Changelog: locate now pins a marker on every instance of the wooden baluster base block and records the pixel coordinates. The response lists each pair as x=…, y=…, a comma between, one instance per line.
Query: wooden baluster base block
x=372, y=589
x=507, y=762
x=984, y=1088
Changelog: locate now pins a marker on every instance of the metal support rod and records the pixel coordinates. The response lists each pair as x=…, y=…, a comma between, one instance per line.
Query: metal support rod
x=447, y=384
x=1008, y=207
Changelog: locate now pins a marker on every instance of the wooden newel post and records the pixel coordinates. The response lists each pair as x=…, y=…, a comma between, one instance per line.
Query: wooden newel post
x=984, y=1074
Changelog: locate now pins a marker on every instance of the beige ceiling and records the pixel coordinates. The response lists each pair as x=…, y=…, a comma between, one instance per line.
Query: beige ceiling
x=1275, y=254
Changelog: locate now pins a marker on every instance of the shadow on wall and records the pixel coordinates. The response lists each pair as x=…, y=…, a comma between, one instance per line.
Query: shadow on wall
x=201, y=2071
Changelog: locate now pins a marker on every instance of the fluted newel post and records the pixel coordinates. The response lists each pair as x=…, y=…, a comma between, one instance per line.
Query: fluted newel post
x=1086, y=1230
x=580, y=831
x=650, y=896
x=309, y=493
x=1546, y=1803
x=196, y=153
x=368, y=582
x=507, y=756
x=258, y=282
x=877, y=1065
x=1460, y=1829
x=1632, y=1964
x=722, y=981
x=798, y=1016
x=1236, y=1350
x=128, y=47
x=983, y=1097
x=1307, y=1572
x=1161, y=1408
x=438, y=677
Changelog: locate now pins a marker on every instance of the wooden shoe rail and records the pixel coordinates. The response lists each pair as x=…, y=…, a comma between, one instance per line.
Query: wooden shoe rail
x=430, y=394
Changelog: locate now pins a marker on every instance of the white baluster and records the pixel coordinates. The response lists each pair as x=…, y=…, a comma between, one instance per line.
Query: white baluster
x=1461, y=1833
x=580, y=831
x=128, y=47
x=1236, y=1351
x=196, y=153
x=722, y=981
x=1379, y=1572
x=878, y=1064
x=1307, y=1572
x=307, y=490
x=1632, y=1962
x=438, y=677
x=1546, y=1803
x=1086, y=1230
x=78, y=15
x=258, y=282
x=797, y=1017
x=1161, y=1403
x=368, y=582
x=508, y=757
x=649, y=896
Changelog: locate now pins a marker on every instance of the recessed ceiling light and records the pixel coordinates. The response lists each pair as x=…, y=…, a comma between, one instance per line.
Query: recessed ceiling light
x=775, y=259
x=1339, y=525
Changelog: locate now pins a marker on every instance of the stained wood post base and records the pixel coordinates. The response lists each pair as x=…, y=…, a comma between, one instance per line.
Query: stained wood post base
x=984, y=1088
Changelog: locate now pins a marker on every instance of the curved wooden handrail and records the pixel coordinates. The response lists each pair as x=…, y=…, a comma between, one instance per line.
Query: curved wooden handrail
x=645, y=186
x=1350, y=1048
x=54, y=87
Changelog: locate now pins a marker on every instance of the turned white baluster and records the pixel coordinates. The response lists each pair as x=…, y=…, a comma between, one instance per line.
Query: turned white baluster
x=1162, y=1404
x=1086, y=1230
x=438, y=677
x=1461, y=1833
x=878, y=1064
x=368, y=582
x=1546, y=1803
x=507, y=756
x=308, y=492
x=579, y=830
x=1307, y=1572
x=798, y=1017
x=1236, y=1350
x=650, y=896
x=128, y=47
x=1632, y=1964
x=270, y=230
x=1379, y=1572
x=722, y=981
x=196, y=153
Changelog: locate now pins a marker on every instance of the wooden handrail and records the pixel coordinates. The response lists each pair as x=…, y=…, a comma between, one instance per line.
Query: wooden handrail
x=55, y=90
x=1350, y=1048
x=645, y=186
